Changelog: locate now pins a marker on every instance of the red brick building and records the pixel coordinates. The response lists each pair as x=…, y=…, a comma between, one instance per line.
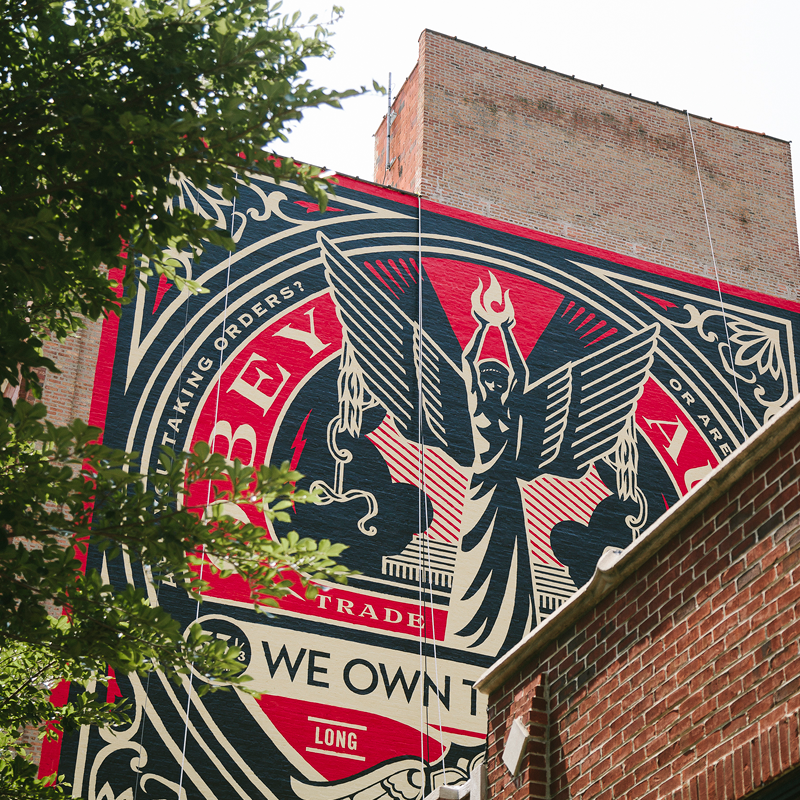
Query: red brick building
x=674, y=673
x=497, y=136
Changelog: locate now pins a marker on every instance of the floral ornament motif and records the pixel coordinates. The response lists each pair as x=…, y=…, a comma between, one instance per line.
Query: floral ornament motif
x=456, y=774
x=757, y=353
x=107, y=793
x=405, y=785
x=395, y=780
x=758, y=346
x=118, y=740
x=189, y=197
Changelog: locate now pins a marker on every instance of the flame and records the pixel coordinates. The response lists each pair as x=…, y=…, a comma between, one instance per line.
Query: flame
x=476, y=296
x=494, y=294
x=492, y=305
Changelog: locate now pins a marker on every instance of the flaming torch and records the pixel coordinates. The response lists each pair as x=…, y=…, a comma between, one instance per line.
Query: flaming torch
x=483, y=304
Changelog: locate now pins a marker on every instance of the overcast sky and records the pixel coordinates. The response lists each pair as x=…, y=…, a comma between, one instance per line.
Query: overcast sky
x=737, y=62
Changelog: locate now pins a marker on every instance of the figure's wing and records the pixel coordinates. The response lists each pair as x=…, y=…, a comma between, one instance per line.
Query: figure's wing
x=436, y=367
x=377, y=304
x=591, y=403
x=557, y=388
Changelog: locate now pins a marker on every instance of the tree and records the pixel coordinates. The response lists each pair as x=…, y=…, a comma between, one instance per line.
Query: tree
x=103, y=103
x=68, y=493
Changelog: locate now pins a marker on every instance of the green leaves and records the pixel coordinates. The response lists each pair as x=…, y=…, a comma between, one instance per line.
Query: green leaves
x=101, y=103
x=103, y=107
x=60, y=492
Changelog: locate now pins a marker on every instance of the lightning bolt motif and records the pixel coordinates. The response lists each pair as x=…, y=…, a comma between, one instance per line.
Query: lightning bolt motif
x=299, y=443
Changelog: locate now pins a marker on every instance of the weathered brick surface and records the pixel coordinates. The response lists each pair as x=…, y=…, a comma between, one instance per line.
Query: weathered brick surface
x=684, y=682
x=68, y=395
x=506, y=139
x=404, y=172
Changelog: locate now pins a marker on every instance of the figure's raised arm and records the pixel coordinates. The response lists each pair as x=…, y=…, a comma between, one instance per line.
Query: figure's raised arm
x=469, y=358
x=518, y=379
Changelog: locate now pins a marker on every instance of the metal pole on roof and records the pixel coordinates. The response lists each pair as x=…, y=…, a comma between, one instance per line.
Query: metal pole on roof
x=390, y=115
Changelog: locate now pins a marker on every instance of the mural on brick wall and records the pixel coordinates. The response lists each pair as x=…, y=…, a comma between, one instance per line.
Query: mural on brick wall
x=483, y=410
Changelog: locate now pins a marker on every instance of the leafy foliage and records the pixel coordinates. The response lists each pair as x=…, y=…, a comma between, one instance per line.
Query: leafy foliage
x=70, y=492
x=101, y=103
x=104, y=106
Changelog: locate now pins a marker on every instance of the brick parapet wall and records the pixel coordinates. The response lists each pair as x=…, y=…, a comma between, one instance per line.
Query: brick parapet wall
x=406, y=171
x=509, y=140
x=684, y=681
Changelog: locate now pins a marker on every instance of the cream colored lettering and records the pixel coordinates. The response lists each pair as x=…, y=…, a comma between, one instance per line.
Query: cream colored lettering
x=175, y=424
x=694, y=476
x=676, y=439
x=368, y=611
x=715, y=434
x=340, y=739
x=257, y=309
x=344, y=606
x=205, y=364
x=393, y=615
x=688, y=398
x=244, y=433
x=323, y=600
x=194, y=379
x=726, y=449
x=415, y=620
x=232, y=331
x=705, y=420
x=181, y=406
x=309, y=338
x=245, y=320
x=271, y=300
x=251, y=391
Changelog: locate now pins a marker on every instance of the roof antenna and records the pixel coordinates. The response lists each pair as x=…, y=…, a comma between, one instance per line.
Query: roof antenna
x=390, y=117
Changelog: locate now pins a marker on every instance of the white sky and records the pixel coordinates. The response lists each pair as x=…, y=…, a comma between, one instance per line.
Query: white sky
x=735, y=61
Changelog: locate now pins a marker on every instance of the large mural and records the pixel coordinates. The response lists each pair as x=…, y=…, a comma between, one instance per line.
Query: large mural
x=483, y=410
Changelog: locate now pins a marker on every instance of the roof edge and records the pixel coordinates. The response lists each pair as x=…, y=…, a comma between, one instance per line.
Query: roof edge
x=606, y=88
x=612, y=569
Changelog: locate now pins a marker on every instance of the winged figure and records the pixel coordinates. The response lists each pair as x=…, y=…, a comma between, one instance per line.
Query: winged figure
x=580, y=413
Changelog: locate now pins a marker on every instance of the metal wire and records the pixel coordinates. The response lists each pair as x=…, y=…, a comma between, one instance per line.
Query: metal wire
x=716, y=275
x=208, y=501
x=158, y=587
x=420, y=500
x=424, y=551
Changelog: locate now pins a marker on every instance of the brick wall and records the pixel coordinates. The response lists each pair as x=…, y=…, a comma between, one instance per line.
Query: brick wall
x=405, y=170
x=68, y=395
x=675, y=673
x=506, y=139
